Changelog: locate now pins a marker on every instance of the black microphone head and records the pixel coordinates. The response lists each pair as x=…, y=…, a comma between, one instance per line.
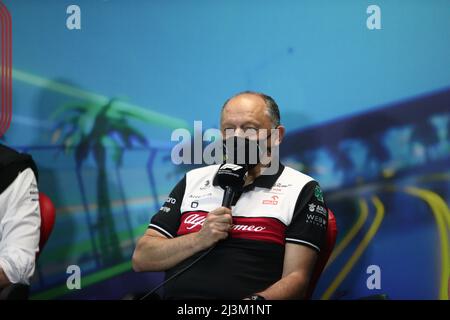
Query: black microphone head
x=232, y=175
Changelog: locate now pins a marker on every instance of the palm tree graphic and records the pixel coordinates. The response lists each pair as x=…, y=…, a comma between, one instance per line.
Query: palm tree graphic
x=98, y=130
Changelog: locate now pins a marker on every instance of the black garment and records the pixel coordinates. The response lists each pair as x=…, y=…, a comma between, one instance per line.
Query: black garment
x=11, y=164
x=238, y=267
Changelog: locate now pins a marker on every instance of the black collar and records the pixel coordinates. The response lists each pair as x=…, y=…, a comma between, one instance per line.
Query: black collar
x=262, y=181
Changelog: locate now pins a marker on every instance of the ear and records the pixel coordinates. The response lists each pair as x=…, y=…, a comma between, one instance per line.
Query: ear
x=281, y=132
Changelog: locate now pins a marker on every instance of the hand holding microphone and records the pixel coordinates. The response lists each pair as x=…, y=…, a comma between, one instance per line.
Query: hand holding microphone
x=231, y=178
x=216, y=226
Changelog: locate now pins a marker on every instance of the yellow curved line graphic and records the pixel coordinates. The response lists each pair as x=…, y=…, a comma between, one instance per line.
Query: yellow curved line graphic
x=362, y=217
x=442, y=215
x=379, y=215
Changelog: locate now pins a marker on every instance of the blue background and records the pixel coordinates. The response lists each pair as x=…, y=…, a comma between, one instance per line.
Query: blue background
x=182, y=60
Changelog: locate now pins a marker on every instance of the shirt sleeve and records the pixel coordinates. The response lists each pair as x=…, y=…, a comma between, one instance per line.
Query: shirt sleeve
x=20, y=228
x=309, y=222
x=167, y=219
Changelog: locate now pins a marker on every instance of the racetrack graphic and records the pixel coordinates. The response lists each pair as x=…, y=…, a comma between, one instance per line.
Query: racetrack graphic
x=375, y=224
x=362, y=217
x=412, y=240
x=399, y=154
x=441, y=214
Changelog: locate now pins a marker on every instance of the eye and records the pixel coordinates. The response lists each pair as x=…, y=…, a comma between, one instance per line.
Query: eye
x=250, y=131
x=228, y=131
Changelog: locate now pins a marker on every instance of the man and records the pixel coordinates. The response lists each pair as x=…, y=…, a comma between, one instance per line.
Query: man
x=19, y=217
x=265, y=247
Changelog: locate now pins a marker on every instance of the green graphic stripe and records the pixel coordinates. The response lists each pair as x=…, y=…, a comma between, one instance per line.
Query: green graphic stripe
x=151, y=116
x=85, y=246
x=85, y=281
x=58, y=87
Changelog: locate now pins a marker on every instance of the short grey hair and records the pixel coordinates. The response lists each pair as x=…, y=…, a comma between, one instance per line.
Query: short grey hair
x=271, y=106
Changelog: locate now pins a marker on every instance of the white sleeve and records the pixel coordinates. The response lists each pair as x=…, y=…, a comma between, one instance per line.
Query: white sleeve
x=20, y=222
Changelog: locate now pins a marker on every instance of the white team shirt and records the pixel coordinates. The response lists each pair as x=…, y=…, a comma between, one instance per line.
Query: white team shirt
x=20, y=222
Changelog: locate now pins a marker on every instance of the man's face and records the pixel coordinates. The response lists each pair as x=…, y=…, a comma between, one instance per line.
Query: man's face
x=245, y=115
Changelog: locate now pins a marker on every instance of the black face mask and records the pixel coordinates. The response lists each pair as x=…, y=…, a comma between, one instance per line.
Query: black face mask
x=242, y=151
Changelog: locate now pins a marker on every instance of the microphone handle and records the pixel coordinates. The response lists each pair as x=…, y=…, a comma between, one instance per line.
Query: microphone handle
x=228, y=197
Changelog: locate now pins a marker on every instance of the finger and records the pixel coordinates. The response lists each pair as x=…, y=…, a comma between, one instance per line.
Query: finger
x=221, y=211
x=224, y=227
x=222, y=219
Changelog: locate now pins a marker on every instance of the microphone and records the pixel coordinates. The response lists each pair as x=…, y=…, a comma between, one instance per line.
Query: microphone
x=231, y=177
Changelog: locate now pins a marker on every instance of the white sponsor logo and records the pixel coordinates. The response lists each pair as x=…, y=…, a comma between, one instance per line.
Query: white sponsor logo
x=199, y=196
x=243, y=227
x=280, y=185
x=207, y=185
x=164, y=209
x=171, y=200
x=273, y=201
x=231, y=166
x=195, y=220
x=316, y=220
x=316, y=208
x=321, y=210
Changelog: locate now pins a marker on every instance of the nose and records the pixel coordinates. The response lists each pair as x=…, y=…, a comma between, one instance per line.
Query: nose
x=239, y=132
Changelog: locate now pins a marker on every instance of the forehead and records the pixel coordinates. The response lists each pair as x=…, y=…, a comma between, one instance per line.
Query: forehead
x=245, y=107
